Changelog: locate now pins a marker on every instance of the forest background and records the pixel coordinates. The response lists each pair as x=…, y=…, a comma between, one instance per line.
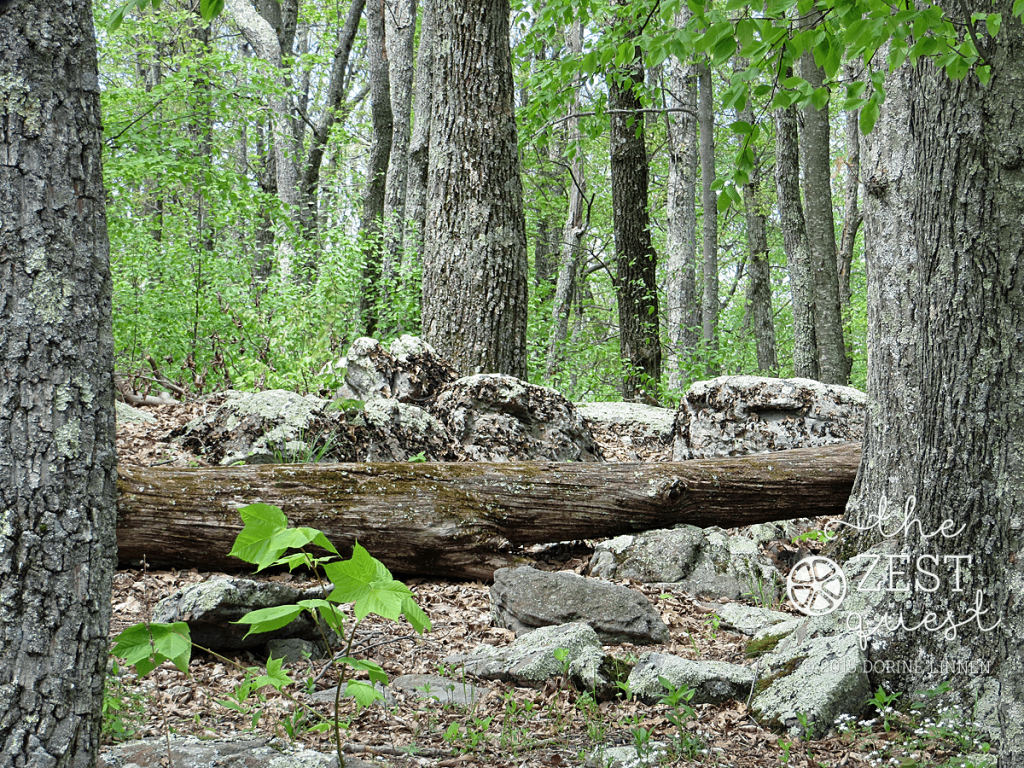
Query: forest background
x=230, y=275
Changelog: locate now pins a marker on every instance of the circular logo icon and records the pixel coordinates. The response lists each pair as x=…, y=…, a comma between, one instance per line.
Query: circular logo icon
x=816, y=586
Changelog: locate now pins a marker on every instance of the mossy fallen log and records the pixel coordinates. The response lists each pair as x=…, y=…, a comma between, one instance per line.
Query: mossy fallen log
x=465, y=520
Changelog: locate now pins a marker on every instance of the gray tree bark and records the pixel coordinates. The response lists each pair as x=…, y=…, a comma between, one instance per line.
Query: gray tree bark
x=852, y=216
x=683, y=307
x=419, y=142
x=374, y=293
x=57, y=458
x=816, y=167
x=759, y=281
x=400, y=33
x=636, y=289
x=570, y=261
x=475, y=262
x=709, y=205
x=946, y=371
x=794, y=236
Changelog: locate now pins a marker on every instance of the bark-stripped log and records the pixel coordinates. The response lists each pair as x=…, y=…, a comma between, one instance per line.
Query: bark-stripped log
x=458, y=520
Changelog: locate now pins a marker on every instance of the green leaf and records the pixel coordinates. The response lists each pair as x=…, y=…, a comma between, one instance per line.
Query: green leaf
x=992, y=24
x=374, y=671
x=1018, y=7
x=984, y=73
x=868, y=116
x=820, y=97
x=275, y=676
x=117, y=18
x=252, y=544
x=741, y=127
x=363, y=694
x=269, y=619
x=147, y=646
x=211, y=9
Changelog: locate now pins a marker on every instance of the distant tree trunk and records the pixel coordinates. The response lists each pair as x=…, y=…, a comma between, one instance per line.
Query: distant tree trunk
x=475, y=261
x=58, y=480
x=816, y=167
x=683, y=310
x=374, y=293
x=759, y=281
x=636, y=287
x=852, y=216
x=794, y=236
x=709, y=204
x=400, y=32
x=569, y=256
x=419, y=143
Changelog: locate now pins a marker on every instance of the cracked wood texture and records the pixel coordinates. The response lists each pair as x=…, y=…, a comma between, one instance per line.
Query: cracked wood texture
x=458, y=520
x=57, y=458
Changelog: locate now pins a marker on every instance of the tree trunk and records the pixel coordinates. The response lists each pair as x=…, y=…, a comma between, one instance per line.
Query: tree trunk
x=816, y=165
x=950, y=409
x=636, y=289
x=400, y=32
x=419, y=143
x=475, y=262
x=852, y=216
x=57, y=457
x=374, y=294
x=794, y=236
x=570, y=256
x=709, y=205
x=457, y=520
x=759, y=279
x=683, y=310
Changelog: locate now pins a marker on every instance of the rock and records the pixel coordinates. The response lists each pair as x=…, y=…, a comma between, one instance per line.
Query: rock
x=292, y=650
x=738, y=415
x=126, y=414
x=210, y=607
x=241, y=753
x=747, y=619
x=411, y=372
x=712, y=681
x=500, y=418
x=705, y=562
x=628, y=757
x=530, y=660
x=598, y=673
x=328, y=695
x=397, y=431
x=643, y=429
x=819, y=678
x=523, y=599
x=442, y=689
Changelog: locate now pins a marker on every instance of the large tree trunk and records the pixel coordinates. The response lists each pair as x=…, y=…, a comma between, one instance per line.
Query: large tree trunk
x=852, y=216
x=374, y=295
x=683, y=310
x=475, y=263
x=419, y=142
x=400, y=26
x=454, y=519
x=636, y=289
x=794, y=236
x=57, y=459
x=709, y=206
x=946, y=367
x=816, y=167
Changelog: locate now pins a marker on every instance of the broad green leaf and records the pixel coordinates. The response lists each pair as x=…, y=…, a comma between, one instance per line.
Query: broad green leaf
x=253, y=543
x=868, y=116
x=741, y=127
x=269, y=619
x=363, y=694
x=275, y=675
x=375, y=672
x=353, y=579
x=147, y=646
x=117, y=18
x=211, y=9
x=1018, y=7
x=992, y=24
x=820, y=97
x=984, y=73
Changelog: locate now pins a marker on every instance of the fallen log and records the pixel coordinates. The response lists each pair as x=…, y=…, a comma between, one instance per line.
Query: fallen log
x=462, y=520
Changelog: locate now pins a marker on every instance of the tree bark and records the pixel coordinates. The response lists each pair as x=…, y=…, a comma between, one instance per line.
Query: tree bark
x=709, y=205
x=400, y=32
x=475, y=262
x=794, y=236
x=852, y=216
x=419, y=142
x=374, y=294
x=816, y=167
x=454, y=520
x=683, y=310
x=636, y=289
x=57, y=457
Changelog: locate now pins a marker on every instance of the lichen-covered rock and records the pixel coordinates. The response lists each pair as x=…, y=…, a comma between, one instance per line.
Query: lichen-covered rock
x=410, y=371
x=747, y=619
x=445, y=691
x=646, y=431
x=705, y=562
x=501, y=418
x=523, y=599
x=397, y=431
x=126, y=414
x=739, y=415
x=712, y=681
x=191, y=752
x=530, y=660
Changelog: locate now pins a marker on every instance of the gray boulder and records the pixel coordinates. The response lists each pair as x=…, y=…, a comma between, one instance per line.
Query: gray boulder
x=705, y=562
x=712, y=681
x=523, y=599
x=397, y=431
x=655, y=754
x=126, y=414
x=444, y=690
x=192, y=752
x=643, y=429
x=747, y=619
x=410, y=371
x=210, y=608
x=530, y=660
x=500, y=418
x=739, y=415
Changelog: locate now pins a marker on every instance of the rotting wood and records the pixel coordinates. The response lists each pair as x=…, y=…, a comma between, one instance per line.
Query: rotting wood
x=465, y=520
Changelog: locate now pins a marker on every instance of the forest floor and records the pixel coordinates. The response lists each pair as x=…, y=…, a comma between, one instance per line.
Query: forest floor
x=510, y=726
